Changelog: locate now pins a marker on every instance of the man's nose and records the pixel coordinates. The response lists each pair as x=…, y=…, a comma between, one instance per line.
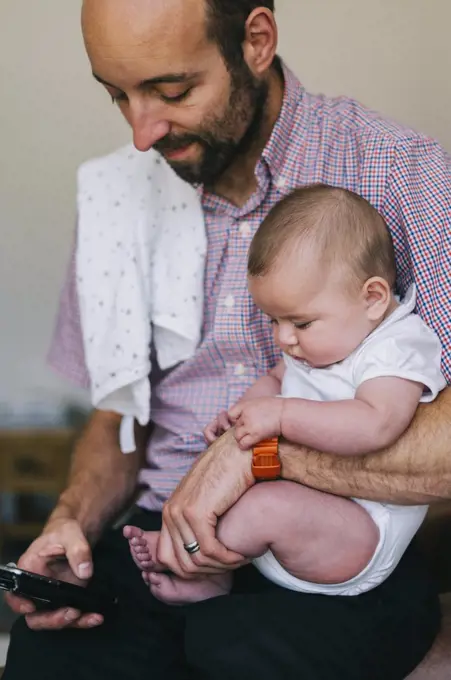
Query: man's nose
x=147, y=129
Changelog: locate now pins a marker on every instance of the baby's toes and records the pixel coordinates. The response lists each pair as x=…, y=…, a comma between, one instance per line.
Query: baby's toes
x=145, y=562
x=140, y=548
x=142, y=555
x=139, y=542
x=136, y=559
x=132, y=533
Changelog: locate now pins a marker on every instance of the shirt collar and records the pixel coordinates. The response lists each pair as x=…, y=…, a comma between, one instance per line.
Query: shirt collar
x=274, y=155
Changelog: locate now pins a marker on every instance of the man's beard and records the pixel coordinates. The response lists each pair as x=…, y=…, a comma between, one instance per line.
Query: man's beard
x=217, y=137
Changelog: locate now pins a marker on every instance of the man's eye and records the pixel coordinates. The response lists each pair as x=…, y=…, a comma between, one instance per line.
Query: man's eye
x=121, y=97
x=173, y=99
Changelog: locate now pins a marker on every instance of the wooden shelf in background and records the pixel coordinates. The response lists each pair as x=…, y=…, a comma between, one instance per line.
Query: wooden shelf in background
x=33, y=462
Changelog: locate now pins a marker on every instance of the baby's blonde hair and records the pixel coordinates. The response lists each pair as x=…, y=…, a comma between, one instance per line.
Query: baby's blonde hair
x=342, y=228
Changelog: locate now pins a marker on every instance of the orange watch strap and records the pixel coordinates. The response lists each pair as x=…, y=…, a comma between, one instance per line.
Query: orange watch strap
x=265, y=460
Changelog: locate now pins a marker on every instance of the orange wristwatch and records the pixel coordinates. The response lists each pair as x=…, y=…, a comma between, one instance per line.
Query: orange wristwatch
x=266, y=460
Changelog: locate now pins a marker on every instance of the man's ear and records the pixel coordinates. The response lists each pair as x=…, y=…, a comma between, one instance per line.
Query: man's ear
x=260, y=43
x=377, y=297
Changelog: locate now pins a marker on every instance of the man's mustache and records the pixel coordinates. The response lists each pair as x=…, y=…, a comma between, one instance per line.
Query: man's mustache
x=172, y=143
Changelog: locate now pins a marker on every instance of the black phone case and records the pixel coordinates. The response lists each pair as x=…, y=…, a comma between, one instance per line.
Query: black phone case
x=49, y=593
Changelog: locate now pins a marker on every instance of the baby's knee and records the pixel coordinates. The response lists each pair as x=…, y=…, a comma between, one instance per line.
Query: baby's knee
x=267, y=505
x=280, y=494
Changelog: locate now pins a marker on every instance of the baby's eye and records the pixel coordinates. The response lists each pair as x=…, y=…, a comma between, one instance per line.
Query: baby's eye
x=303, y=326
x=273, y=322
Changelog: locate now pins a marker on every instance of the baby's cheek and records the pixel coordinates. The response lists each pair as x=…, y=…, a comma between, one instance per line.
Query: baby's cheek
x=335, y=349
x=311, y=342
x=320, y=349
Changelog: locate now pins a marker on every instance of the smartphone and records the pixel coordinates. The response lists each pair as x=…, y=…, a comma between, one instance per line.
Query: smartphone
x=48, y=593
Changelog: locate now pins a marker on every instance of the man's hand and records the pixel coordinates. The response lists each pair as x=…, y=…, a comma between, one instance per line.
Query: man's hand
x=217, y=427
x=62, y=538
x=218, y=479
x=256, y=419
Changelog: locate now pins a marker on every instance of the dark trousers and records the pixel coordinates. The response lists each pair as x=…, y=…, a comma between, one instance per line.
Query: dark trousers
x=259, y=631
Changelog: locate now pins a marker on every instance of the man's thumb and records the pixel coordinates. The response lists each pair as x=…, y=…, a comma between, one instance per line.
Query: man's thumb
x=79, y=556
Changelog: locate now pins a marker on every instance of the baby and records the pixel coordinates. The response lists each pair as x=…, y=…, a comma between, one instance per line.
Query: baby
x=356, y=362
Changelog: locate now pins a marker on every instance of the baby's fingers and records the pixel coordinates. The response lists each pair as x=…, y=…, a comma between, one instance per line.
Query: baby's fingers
x=224, y=423
x=210, y=433
x=247, y=442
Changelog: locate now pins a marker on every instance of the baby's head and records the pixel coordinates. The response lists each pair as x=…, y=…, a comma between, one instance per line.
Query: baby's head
x=322, y=267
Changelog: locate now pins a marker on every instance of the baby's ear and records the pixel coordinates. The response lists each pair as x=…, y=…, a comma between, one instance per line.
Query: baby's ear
x=377, y=296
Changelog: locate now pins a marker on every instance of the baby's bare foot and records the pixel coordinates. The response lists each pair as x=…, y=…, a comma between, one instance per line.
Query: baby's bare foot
x=176, y=591
x=169, y=588
x=143, y=548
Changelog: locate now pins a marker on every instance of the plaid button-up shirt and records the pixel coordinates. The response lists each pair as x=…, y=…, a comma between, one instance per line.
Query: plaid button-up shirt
x=406, y=176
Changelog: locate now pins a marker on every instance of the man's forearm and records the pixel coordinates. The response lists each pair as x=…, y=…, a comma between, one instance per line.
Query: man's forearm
x=102, y=479
x=416, y=469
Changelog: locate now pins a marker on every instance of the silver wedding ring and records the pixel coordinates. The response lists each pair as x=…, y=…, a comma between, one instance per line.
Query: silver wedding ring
x=192, y=548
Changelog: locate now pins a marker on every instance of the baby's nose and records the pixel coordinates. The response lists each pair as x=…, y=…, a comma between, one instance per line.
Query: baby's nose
x=287, y=335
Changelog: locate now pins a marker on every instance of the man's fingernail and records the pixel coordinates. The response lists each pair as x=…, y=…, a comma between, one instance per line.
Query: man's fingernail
x=71, y=615
x=84, y=570
x=26, y=609
x=95, y=621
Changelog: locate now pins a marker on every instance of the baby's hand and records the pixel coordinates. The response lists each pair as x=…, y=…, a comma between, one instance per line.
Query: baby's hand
x=256, y=419
x=217, y=427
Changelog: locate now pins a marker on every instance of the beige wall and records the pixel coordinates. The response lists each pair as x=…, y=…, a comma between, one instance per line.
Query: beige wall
x=394, y=55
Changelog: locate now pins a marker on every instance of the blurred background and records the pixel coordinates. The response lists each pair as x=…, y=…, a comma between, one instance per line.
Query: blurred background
x=393, y=55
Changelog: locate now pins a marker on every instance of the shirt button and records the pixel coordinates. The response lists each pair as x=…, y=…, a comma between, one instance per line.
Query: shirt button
x=240, y=370
x=229, y=302
x=281, y=182
x=245, y=229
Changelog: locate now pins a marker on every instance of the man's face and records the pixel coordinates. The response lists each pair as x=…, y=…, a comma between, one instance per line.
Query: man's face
x=172, y=85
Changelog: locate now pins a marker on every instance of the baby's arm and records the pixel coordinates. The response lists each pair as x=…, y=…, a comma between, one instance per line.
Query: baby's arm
x=267, y=386
x=380, y=412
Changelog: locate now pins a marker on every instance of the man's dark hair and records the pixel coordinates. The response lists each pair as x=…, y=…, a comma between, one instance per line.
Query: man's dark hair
x=226, y=20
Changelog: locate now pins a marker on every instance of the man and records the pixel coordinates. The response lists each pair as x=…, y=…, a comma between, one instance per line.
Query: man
x=200, y=82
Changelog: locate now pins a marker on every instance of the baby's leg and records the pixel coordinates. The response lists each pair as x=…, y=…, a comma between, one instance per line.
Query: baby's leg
x=167, y=587
x=315, y=536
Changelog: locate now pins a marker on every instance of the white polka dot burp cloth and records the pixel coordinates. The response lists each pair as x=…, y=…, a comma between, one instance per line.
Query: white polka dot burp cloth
x=141, y=248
